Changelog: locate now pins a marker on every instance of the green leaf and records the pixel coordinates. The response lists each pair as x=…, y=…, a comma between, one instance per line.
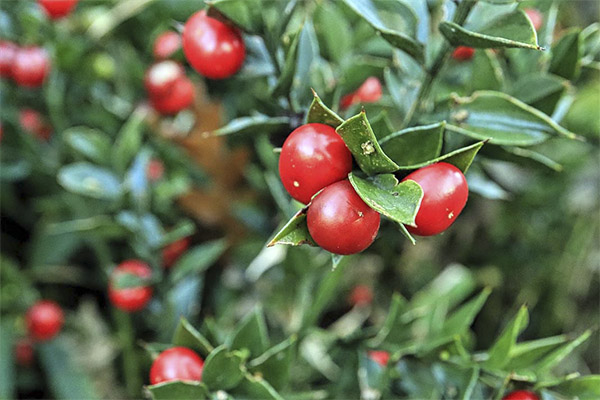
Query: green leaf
x=414, y=145
x=246, y=14
x=198, y=259
x=500, y=353
x=88, y=142
x=255, y=387
x=274, y=364
x=336, y=39
x=486, y=71
x=257, y=124
x=522, y=156
x=374, y=11
x=183, y=229
x=461, y=158
x=392, y=326
x=566, y=55
x=318, y=112
x=527, y=353
x=251, y=334
x=129, y=140
x=7, y=362
x=362, y=143
x=540, y=91
x=500, y=118
x=307, y=59
x=187, y=336
x=398, y=201
x=556, y=356
x=89, y=180
x=382, y=126
x=513, y=29
x=584, y=387
x=284, y=84
x=222, y=369
x=178, y=390
x=67, y=380
x=294, y=232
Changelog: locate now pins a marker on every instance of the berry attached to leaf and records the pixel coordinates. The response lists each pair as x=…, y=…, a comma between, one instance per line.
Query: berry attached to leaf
x=369, y=92
x=177, y=363
x=57, y=8
x=44, y=320
x=180, y=97
x=31, y=66
x=521, y=395
x=128, y=289
x=463, y=53
x=166, y=44
x=174, y=250
x=380, y=357
x=8, y=51
x=161, y=77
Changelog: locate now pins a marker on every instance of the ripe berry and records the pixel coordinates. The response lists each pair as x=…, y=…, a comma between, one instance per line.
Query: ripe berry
x=31, y=66
x=166, y=44
x=33, y=122
x=340, y=222
x=155, y=170
x=380, y=357
x=313, y=156
x=215, y=49
x=8, y=50
x=137, y=294
x=361, y=295
x=369, y=92
x=177, y=363
x=521, y=395
x=536, y=17
x=445, y=194
x=57, y=8
x=24, y=352
x=161, y=77
x=463, y=53
x=174, y=250
x=44, y=320
x=180, y=96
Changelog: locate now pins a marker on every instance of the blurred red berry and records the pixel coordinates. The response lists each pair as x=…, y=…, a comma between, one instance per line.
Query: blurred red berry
x=44, y=320
x=166, y=44
x=361, y=295
x=463, y=53
x=161, y=77
x=536, y=17
x=155, y=170
x=380, y=357
x=177, y=363
x=33, y=122
x=369, y=92
x=174, y=250
x=57, y=8
x=134, y=296
x=213, y=48
x=521, y=395
x=31, y=66
x=8, y=51
x=24, y=352
x=180, y=97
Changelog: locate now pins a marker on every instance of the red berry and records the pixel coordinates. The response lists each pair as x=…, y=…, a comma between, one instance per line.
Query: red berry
x=174, y=250
x=361, y=295
x=31, y=66
x=340, y=222
x=521, y=395
x=132, y=298
x=155, y=170
x=369, y=92
x=463, y=53
x=380, y=357
x=536, y=17
x=8, y=51
x=57, y=8
x=44, y=320
x=24, y=352
x=313, y=156
x=33, y=122
x=161, y=77
x=215, y=49
x=177, y=363
x=166, y=44
x=180, y=96
x=445, y=194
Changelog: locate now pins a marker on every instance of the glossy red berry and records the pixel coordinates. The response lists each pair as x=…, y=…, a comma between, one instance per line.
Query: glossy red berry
x=177, y=363
x=369, y=92
x=536, y=18
x=161, y=77
x=44, y=320
x=8, y=51
x=340, y=222
x=135, y=297
x=174, y=250
x=463, y=53
x=31, y=66
x=445, y=193
x=313, y=156
x=57, y=8
x=380, y=357
x=361, y=295
x=180, y=97
x=166, y=44
x=33, y=122
x=213, y=48
x=521, y=395
x=155, y=170
x=24, y=352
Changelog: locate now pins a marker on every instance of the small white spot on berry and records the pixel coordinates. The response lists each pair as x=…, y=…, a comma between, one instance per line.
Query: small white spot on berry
x=451, y=215
x=296, y=184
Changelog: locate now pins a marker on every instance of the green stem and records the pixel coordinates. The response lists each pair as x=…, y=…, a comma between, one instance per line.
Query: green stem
x=461, y=14
x=131, y=370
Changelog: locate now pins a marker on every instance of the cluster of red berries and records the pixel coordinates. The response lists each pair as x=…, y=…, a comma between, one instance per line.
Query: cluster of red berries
x=314, y=159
